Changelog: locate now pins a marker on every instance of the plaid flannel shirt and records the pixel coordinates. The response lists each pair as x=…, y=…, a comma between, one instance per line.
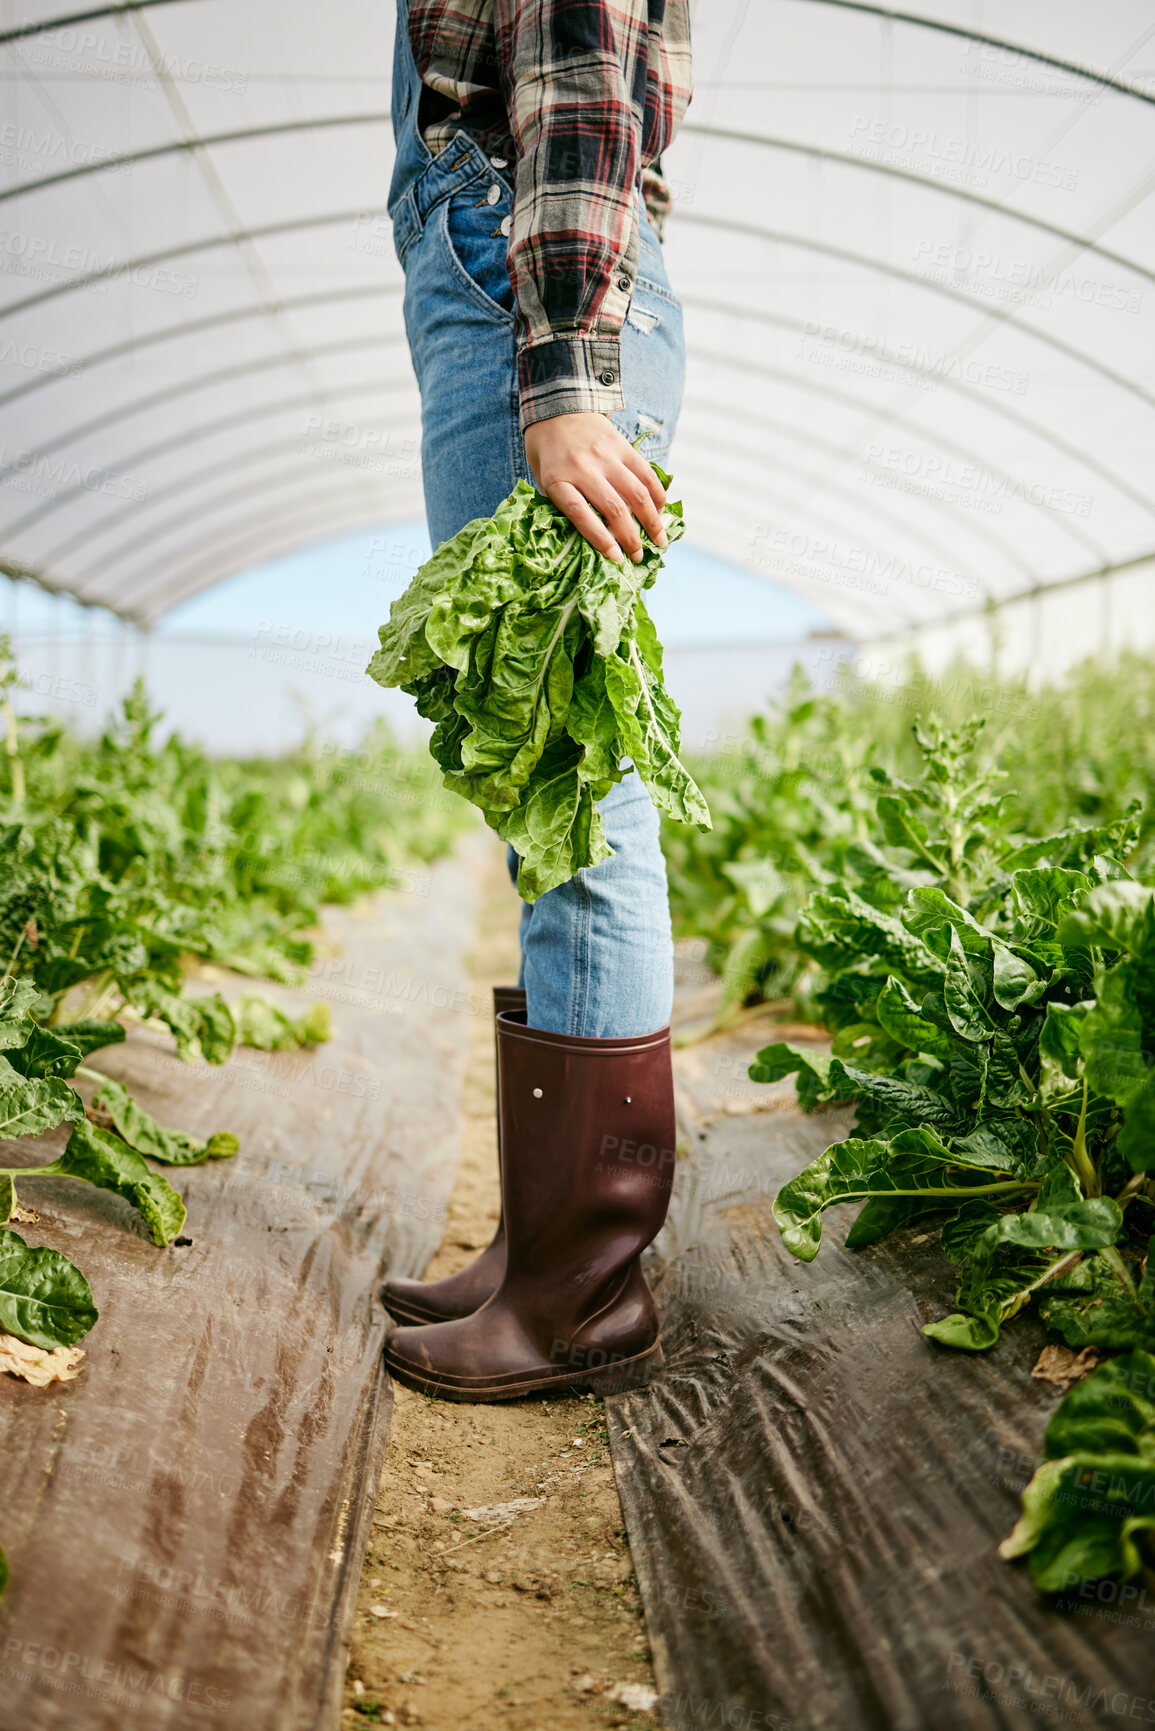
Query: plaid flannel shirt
x=582, y=96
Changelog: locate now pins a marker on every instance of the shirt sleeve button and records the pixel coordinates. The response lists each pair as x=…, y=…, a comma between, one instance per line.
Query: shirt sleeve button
x=607, y=378
x=624, y=284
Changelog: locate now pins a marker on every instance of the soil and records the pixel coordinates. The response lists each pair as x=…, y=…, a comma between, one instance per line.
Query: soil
x=471, y=1613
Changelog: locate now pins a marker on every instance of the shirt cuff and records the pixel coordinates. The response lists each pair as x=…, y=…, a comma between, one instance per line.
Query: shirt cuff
x=569, y=376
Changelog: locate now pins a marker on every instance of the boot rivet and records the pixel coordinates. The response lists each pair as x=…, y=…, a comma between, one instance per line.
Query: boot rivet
x=537, y=1093
x=628, y=1099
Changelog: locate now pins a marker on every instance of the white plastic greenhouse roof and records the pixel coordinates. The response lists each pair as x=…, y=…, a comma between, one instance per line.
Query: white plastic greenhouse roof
x=915, y=250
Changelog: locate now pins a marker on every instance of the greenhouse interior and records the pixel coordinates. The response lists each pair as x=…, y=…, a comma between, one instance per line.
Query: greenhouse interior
x=577, y=654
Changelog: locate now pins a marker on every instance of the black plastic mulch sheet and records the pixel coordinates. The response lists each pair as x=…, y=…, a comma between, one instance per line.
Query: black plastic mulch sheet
x=185, y=1522
x=814, y=1493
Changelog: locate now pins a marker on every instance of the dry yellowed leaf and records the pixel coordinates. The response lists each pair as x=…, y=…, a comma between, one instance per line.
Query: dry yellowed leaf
x=25, y=1215
x=37, y=1366
x=1058, y=1364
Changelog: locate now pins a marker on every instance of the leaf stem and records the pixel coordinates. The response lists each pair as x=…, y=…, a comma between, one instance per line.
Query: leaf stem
x=12, y=747
x=1131, y=1189
x=1081, y=1164
x=960, y=1190
x=1059, y=1267
x=1114, y=1261
x=15, y=952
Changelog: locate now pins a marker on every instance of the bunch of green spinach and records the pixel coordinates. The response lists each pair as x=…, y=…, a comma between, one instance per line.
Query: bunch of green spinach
x=536, y=660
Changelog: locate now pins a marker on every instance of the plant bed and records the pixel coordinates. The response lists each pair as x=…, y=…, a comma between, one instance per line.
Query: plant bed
x=185, y=1520
x=815, y=1493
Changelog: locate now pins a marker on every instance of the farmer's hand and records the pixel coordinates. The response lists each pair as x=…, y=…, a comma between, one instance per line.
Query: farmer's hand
x=595, y=476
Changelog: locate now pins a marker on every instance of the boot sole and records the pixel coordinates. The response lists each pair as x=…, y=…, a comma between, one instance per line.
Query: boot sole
x=616, y=1378
x=412, y=1316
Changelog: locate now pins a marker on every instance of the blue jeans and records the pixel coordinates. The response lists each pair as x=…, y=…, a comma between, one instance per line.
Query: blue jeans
x=597, y=955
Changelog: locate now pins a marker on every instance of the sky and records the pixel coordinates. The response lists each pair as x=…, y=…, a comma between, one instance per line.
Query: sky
x=246, y=666
x=698, y=600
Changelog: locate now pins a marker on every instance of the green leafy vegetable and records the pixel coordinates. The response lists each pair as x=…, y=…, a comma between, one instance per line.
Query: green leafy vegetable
x=143, y=1133
x=536, y=660
x=90, y=1036
x=262, y=1025
x=104, y=1160
x=915, y=1164
x=29, y=1106
x=44, y=1298
x=1089, y=1510
x=994, y=1027
x=122, y=862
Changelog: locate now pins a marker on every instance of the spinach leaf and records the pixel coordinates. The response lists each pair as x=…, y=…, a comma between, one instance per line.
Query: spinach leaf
x=142, y=1132
x=1089, y=1510
x=104, y=1160
x=29, y=1106
x=44, y=1298
x=538, y=663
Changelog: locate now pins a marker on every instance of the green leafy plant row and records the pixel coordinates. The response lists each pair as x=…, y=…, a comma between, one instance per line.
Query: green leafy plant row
x=126, y=862
x=792, y=792
x=991, y=996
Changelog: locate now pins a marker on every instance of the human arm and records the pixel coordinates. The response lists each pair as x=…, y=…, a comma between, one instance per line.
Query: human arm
x=573, y=81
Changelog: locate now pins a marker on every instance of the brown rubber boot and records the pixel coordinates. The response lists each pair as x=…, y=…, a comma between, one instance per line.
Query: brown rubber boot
x=587, y=1165
x=462, y=1293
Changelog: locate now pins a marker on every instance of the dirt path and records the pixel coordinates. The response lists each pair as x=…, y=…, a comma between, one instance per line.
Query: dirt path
x=472, y=1614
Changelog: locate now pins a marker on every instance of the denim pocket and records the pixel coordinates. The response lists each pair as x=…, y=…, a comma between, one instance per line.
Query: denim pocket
x=477, y=244
x=653, y=367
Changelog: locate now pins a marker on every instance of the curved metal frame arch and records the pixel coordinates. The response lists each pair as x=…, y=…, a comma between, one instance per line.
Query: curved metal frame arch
x=369, y=388
x=998, y=408
x=847, y=614
x=287, y=475
x=333, y=493
x=812, y=440
x=946, y=29
x=719, y=492
x=158, y=495
x=276, y=550
x=859, y=504
x=945, y=187
x=208, y=381
x=239, y=135
x=813, y=389
x=214, y=553
x=334, y=487
x=844, y=256
x=768, y=492
x=173, y=333
x=250, y=412
x=208, y=243
x=22, y=30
